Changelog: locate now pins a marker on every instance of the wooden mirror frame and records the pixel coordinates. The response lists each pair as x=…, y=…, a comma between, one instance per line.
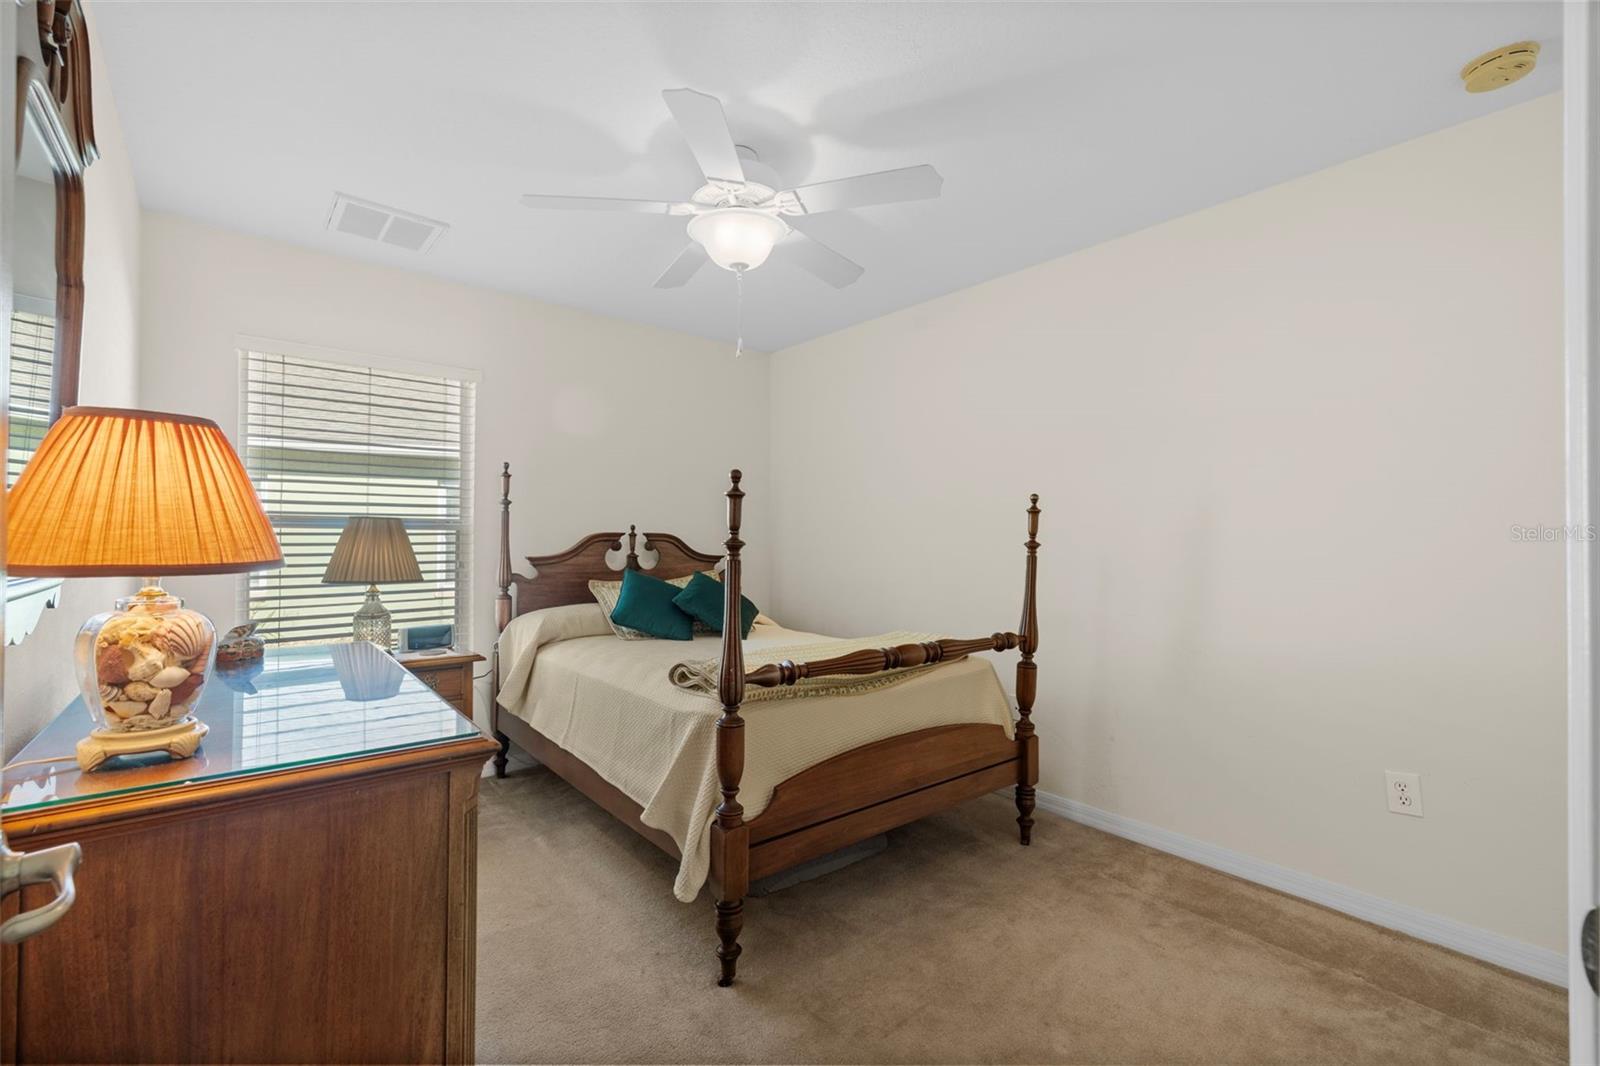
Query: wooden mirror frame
x=53, y=97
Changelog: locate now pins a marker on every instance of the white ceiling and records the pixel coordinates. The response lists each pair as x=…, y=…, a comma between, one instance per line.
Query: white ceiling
x=1056, y=126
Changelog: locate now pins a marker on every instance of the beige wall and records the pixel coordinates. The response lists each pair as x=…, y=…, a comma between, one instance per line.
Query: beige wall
x=39, y=678
x=1280, y=445
x=604, y=423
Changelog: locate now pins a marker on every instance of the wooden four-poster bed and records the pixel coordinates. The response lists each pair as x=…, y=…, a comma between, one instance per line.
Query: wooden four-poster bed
x=848, y=797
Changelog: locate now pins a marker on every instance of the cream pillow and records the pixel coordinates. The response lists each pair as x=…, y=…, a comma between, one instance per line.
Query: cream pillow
x=606, y=593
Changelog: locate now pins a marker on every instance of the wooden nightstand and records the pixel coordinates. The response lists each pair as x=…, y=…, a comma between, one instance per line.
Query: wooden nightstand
x=302, y=890
x=449, y=674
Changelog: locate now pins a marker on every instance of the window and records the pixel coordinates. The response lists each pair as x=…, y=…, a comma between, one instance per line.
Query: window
x=323, y=439
x=33, y=351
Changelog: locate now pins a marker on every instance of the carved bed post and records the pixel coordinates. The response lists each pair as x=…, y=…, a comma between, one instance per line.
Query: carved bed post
x=730, y=839
x=1028, y=681
x=502, y=615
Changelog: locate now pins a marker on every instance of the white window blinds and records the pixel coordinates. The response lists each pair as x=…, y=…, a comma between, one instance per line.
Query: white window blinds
x=324, y=440
x=33, y=346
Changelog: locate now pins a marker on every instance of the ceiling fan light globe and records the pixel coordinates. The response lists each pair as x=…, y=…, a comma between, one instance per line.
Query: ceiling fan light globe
x=737, y=238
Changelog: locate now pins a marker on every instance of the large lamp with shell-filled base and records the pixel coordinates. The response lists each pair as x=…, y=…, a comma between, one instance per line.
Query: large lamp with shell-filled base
x=122, y=493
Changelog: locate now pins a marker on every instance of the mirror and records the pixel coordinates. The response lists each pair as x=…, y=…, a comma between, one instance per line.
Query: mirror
x=53, y=143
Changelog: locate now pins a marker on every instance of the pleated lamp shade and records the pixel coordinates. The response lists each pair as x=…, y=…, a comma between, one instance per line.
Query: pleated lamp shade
x=372, y=551
x=122, y=493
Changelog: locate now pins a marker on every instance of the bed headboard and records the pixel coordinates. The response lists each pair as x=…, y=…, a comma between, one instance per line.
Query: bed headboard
x=564, y=577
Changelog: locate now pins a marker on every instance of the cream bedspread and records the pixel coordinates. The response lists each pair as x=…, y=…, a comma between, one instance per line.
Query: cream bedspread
x=610, y=703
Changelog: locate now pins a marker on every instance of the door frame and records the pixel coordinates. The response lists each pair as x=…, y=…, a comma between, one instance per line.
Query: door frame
x=1581, y=248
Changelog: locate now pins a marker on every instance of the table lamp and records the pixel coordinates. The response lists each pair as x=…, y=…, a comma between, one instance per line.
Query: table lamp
x=373, y=551
x=123, y=493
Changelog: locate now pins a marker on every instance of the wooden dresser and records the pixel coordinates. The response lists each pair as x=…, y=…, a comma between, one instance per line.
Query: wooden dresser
x=447, y=673
x=303, y=890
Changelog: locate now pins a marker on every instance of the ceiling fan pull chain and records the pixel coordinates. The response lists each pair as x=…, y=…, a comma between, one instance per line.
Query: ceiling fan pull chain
x=738, y=281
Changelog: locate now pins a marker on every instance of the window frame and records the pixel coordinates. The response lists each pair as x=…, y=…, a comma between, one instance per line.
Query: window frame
x=245, y=344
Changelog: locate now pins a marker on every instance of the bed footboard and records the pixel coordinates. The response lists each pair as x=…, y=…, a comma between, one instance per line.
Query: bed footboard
x=783, y=837
x=878, y=787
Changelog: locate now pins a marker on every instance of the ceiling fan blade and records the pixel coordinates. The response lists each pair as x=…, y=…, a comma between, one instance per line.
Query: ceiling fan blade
x=884, y=187
x=811, y=254
x=600, y=203
x=690, y=260
x=705, y=127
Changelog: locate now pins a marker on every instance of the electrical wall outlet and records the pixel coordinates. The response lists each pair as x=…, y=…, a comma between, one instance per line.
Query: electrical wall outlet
x=1405, y=793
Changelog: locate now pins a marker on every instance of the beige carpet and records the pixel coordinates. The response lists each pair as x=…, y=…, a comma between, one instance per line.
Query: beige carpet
x=956, y=945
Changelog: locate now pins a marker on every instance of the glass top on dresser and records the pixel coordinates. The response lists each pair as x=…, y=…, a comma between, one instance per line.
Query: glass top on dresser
x=297, y=706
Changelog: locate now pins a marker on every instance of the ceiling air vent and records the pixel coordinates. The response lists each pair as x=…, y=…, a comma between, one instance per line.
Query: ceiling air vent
x=363, y=218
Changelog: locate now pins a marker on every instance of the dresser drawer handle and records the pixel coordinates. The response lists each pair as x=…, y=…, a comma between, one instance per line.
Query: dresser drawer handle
x=53, y=866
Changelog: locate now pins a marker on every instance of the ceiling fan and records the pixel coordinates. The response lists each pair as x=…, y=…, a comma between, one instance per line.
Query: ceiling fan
x=739, y=214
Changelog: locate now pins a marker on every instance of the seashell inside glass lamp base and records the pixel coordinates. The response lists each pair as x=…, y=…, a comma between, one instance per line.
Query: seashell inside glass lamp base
x=142, y=668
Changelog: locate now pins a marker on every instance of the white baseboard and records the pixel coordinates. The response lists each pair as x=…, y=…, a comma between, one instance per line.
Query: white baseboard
x=1542, y=963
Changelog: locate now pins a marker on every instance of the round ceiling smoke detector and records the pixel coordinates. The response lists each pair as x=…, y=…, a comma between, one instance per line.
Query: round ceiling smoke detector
x=1500, y=67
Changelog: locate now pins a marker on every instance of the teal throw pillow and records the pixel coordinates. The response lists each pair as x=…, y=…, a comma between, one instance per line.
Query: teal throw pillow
x=701, y=599
x=645, y=604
